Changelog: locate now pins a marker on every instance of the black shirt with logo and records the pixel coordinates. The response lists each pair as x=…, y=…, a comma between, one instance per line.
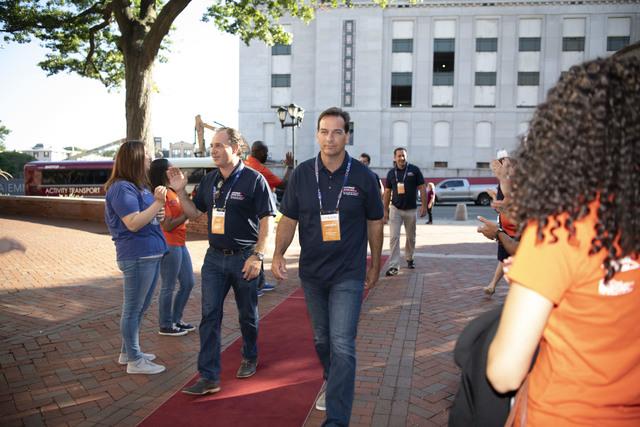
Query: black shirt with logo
x=412, y=180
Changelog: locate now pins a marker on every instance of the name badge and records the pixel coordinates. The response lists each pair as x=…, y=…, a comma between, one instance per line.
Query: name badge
x=401, y=188
x=330, y=227
x=217, y=221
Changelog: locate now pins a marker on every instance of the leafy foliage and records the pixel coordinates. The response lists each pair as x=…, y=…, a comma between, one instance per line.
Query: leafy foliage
x=3, y=134
x=13, y=162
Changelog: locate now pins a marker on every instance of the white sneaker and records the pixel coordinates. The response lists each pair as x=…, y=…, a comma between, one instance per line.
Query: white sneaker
x=123, y=359
x=321, y=403
x=144, y=366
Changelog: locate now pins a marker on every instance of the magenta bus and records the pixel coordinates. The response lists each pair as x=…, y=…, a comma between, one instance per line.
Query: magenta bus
x=87, y=178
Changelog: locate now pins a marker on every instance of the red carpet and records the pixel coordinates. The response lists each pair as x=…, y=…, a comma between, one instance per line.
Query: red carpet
x=281, y=393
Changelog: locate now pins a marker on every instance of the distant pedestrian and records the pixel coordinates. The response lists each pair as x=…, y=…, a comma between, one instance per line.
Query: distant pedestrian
x=365, y=159
x=131, y=215
x=336, y=202
x=176, y=263
x=239, y=207
x=402, y=184
x=431, y=200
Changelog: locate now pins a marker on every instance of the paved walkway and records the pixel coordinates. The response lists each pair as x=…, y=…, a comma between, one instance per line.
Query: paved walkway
x=59, y=335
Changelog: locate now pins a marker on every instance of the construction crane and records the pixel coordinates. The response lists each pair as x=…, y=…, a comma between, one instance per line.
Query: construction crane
x=199, y=135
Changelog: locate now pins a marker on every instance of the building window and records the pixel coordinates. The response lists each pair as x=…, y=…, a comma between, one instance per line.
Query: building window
x=617, y=43
x=441, y=134
x=351, y=132
x=573, y=44
x=486, y=45
x=402, y=45
x=280, y=80
x=482, y=165
x=529, y=44
x=443, y=61
x=484, y=78
x=440, y=164
x=528, y=78
x=348, y=41
x=281, y=49
x=401, y=88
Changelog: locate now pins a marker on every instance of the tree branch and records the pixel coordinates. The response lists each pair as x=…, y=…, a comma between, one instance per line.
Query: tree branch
x=161, y=26
x=124, y=17
x=92, y=48
x=147, y=10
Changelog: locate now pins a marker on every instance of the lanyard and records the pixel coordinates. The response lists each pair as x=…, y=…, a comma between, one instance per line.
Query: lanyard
x=346, y=176
x=239, y=170
x=406, y=168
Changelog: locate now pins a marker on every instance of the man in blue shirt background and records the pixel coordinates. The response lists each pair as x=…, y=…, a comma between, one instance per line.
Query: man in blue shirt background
x=336, y=201
x=403, y=181
x=239, y=205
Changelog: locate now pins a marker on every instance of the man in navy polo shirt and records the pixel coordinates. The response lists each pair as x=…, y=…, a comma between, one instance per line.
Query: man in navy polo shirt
x=403, y=181
x=336, y=201
x=238, y=202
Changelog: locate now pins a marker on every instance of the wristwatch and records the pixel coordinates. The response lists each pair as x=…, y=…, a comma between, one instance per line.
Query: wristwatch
x=500, y=230
x=258, y=255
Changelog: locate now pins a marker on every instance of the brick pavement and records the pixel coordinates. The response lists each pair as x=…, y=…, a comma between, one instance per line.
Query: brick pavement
x=59, y=334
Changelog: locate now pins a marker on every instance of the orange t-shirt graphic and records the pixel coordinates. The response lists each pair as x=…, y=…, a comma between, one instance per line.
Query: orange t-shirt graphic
x=588, y=368
x=173, y=208
x=272, y=179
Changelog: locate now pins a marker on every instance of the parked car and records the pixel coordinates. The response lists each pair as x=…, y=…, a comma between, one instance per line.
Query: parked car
x=459, y=190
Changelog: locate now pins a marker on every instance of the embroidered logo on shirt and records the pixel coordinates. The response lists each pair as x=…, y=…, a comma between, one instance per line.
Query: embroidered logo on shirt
x=619, y=287
x=410, y=174
x=236, y=195
x=350, y=191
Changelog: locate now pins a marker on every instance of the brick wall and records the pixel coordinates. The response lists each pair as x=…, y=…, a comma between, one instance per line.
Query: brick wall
x=82, y=209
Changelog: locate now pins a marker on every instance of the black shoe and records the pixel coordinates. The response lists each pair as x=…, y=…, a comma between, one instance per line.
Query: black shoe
x=247, y=368
x=173, y=332
x=411, y=264
x=202, y=387
x=185, y=326
x=391, y=272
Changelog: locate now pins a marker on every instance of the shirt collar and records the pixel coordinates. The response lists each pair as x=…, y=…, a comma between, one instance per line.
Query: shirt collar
x=341, y=169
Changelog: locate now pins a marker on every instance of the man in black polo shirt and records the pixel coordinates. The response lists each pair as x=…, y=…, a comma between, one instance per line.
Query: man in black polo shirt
x=239, y=206
x=403, y=181
x=336, y=201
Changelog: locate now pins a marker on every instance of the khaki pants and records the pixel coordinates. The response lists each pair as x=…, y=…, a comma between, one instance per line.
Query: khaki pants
x=396, y=218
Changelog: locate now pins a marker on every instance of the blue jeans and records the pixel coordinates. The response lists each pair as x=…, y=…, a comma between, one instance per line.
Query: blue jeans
x=334, y=309
x=140, y=278
x=175, y=266
x=219, y=273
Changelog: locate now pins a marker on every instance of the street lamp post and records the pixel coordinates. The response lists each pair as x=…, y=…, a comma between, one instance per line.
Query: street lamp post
x=296, y=114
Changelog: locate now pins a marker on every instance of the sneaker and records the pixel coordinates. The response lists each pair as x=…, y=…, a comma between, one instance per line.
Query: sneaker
x=123, y=359
x=260, y=292
x=411, y=264
x=247, y=368
x=202, y=387
x=268, y=287
x=173, y=332
x=185, y=326
x=144, y=366
x=321, y=402
x=391, y=272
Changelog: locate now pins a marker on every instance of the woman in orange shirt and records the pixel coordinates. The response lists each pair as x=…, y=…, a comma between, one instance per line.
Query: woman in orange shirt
x=176, y=263
x=575, y=278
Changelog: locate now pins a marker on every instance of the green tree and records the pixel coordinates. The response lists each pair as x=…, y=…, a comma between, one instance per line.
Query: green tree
x=13, y=162
x=3, y=134
x=120, y=40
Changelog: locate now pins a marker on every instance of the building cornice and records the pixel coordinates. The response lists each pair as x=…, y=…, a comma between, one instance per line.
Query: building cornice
x=402, y=4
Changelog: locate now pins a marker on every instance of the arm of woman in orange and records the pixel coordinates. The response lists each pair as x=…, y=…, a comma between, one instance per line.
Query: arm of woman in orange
x=523, y=319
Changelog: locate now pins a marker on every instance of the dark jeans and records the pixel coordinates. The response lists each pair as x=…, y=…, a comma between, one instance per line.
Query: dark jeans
x=334, y=309
x=219, y=273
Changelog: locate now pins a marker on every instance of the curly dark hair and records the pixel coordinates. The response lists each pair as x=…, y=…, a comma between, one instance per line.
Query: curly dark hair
x=583, y=145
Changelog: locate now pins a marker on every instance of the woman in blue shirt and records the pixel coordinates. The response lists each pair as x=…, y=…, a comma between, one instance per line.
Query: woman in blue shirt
x=131, y=212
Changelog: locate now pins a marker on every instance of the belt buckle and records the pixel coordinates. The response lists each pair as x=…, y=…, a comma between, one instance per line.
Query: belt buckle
x=227, y=252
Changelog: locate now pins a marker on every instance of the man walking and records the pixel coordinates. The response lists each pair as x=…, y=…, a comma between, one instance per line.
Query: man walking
x=403, y=181
x=239, y=207
x=257, y=160
x=336, y=201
